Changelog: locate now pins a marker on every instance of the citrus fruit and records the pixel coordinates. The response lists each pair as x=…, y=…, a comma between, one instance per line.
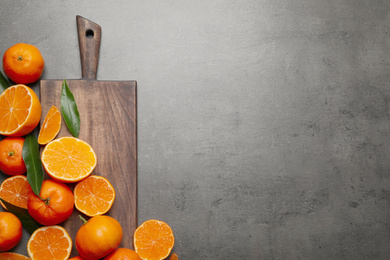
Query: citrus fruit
x=12, y=256
x=123, y=254
x=10, y=231
x=23, y=63
x=153, y=240
x=11, y=160
x=75, y=258
x=15, y=190
x=53, y=205
x=20, y=111
x=98, y=237
x=49, y=242
x=174, y=257
x=94, y=195
x=68, y=159
x=51, y=126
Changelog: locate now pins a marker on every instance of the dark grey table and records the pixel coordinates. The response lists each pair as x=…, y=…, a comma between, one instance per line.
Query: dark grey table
x=263, y=126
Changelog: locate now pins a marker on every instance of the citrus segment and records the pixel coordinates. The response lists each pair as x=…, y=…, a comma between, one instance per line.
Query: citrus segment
x=12, y=256
x=51, y=126
x=20, y=111
x=94, y=195
x=68, y=159
x=153, y=240
x=174, y=257
x=15, y=190
x=49, y=242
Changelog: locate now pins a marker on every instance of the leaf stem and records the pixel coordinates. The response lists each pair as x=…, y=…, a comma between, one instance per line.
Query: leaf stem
x=83, y=219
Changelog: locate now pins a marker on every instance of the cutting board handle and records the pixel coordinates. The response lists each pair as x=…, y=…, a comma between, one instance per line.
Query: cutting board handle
x=89, y=34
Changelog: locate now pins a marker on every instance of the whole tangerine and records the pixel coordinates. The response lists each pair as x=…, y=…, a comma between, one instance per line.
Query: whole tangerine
x=53, y=205
x=11, y=160
x=23, y=63
x=98, y=237
x=123, y=254
x=76, y=258
x=10, y=231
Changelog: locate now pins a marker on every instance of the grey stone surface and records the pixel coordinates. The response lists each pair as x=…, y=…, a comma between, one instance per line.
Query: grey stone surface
x=263, y=124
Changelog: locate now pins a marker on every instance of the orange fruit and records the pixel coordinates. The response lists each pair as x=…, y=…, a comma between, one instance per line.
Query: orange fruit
x=20, y=111
x=75, y=258
x=15, y=190
x=174, y=257
x=153, y=240
x=10, y=231
x=11, y=160
x=49, y=242
x=53, y=205
x=94, y=195
x=123, y=254
x=98, y=237
x=68, y=159
x=23, y=63
x=51, y=126
x=12, y=256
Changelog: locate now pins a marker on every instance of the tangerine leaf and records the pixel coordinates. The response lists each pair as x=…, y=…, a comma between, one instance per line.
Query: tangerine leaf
x=27, y=221
x=69, y=110
x=4, y=84
x=31, y=158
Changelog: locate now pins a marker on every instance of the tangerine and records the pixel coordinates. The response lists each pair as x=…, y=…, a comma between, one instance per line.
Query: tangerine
x=123, y=254
x=75, y=258
x=94, y=195
x=12, y=256
x=10, y=231
x=23, y=63
x=153, y=240
x=11, y=160
x=15, y=190
x=49, y=242
x=98, y=237
x=20, y=111
x=68, y=159
x=53, y=205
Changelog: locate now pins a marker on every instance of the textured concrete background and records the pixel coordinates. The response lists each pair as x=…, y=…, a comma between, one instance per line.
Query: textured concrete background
x=263, y=124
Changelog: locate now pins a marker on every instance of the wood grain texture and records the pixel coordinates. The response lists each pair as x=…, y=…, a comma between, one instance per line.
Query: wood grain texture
x=89, y=35
x=108, y=113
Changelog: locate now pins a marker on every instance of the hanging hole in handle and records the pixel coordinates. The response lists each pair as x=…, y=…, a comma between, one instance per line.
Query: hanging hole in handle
x=89, y=33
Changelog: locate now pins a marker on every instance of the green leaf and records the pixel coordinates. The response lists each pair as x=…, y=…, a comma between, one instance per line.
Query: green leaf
x=4, y=84
x=27, y=221
x=69, y=110
x=31, y=158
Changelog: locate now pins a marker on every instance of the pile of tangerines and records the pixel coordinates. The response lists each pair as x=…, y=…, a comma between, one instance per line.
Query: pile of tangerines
x=66, y=160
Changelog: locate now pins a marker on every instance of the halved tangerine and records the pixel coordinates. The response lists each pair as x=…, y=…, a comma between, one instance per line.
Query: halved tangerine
x=15, y=190
x=12, y=256
x=94, y=195
x=49, y=242
x=68, y=159
x=51, y=126
x=20, y=111
x=153, y=240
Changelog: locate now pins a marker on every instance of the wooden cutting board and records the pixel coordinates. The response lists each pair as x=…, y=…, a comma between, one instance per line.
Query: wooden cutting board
x=108, y=115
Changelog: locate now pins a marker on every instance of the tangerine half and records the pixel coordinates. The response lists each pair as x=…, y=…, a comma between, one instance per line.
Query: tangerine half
x=153, y=240
x=49, y=242
x=20, y=111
